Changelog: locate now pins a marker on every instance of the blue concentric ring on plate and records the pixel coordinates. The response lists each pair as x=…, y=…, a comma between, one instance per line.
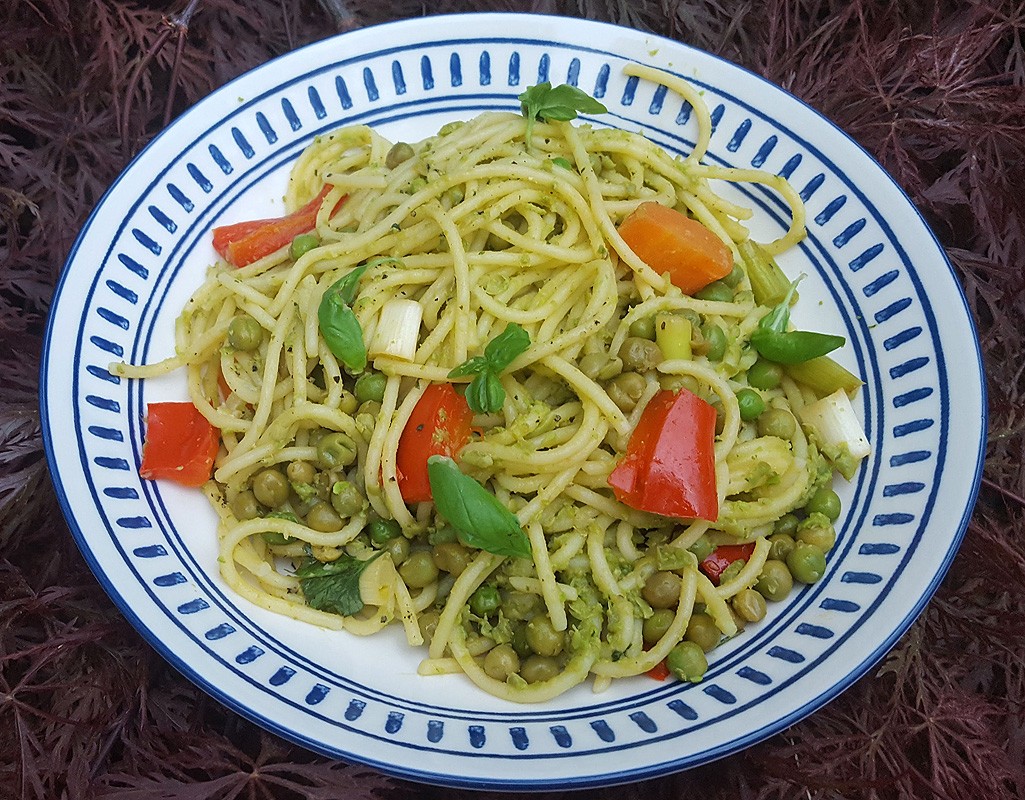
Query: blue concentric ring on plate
x=875, y=272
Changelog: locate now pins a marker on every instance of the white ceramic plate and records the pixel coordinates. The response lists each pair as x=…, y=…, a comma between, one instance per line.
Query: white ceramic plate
x=876, y=274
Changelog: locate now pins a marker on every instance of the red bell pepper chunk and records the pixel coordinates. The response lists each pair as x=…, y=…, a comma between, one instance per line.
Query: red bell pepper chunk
x=669, y=466
x=440, y=425
x=180, y=445
x=716, y=562
x=659, y=672
x=245, y=242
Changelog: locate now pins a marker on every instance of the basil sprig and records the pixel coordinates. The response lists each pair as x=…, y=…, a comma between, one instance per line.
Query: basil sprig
x=485, y=394
x=773, y=341
x=333, y=586
x=479, y=518
x=560, y=103
x=338, y=324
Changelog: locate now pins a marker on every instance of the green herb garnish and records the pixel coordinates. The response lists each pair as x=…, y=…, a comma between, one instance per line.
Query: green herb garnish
x=333, y=586
x=478, y=516
x=560, y=103
x=485, y=393
x=338, y=324
x=773, y=341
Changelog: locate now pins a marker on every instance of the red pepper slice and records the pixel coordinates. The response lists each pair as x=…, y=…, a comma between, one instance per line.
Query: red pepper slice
x=669, y=466
x=180, y=445
x=716, y=562
x=245, y=242
x=659, y=672
x=440, y=425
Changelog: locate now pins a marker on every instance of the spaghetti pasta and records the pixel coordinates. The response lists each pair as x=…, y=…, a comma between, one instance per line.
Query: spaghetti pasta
x=484, y=230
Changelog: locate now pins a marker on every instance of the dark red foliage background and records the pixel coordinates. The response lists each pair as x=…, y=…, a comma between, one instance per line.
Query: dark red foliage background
x=935, y=90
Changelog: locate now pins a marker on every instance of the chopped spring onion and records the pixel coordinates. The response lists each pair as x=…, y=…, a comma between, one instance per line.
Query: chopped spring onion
x=836, y=429
x=398, y=330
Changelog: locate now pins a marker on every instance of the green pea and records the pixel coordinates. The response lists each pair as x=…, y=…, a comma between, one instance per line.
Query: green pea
x=717, y=291
x=817, y=530
x=662, y=590
x=501, y=662
x=599, y=366
x=643, y=328
x=445, y=533
x=777, y=422
x=322, y=517
x=271, y=488
x=780, y=544
x=245, y=506
x=400, y=152
x=245, y=333
x=826, y=502
x=751, y=404
x=346, y=499
x=687, y=662
x=452, y=196
x=655, y=626
x=419, y=570
x=626, y=389
x=301, y=472
x=543, y=638
x=451, y=557
x=765, y=374
x=370, y=386
x=398, y=549
x=539, y=668
x=775, y=581
x=786, y=524
x=735, y=277
x=429, y=623
x=486, y=600
x=382, y=531
x=703, y=631
x=336, y=450
x=347, y=402
x=749, y=605
x=302, y=244
x=715, y=341
x=806, y=563
x=639, y=355
x=520, y=605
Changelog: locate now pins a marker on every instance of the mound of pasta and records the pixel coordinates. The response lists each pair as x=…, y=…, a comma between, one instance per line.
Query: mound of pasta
x=525, y=388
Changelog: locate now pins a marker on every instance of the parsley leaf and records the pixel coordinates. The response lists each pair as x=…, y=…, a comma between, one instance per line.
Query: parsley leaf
x=485, y=394
x=561, y=103
x=333, y=586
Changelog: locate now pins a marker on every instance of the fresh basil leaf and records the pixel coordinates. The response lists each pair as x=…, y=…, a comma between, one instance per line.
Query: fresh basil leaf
x=504, y=348
x=772, y=340
x=472, y=366
x=532, y=99
x=561, y=103
x=333, y=586
x=477, y=515
x=346, y=287
x=565, y=163
x=778, y=318
x=342, y=333
x=485, y=393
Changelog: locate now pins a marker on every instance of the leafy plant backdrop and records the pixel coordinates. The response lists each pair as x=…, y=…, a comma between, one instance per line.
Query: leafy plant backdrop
x=935, y=90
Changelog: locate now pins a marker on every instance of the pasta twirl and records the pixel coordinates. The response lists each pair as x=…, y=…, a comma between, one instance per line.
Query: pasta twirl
x=482, y=230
